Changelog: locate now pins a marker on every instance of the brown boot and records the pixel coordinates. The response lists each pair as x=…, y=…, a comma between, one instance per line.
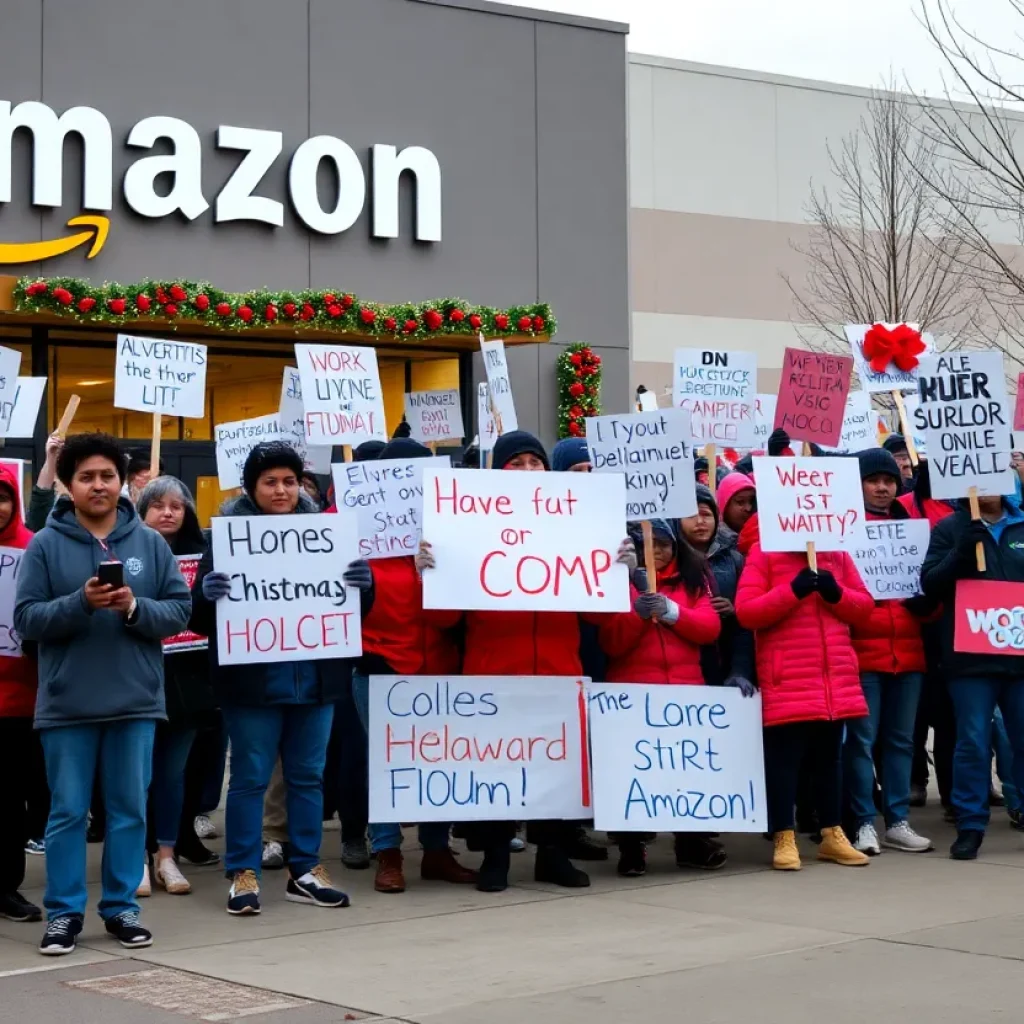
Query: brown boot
x=390, y=877
x=786, y=856
x=836, y=848
x=441, y=866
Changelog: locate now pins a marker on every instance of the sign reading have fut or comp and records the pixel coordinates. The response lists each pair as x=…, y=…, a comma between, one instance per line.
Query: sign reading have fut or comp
x=153, y=375
x=718, y=390
x=341, y=394
x=812, y=396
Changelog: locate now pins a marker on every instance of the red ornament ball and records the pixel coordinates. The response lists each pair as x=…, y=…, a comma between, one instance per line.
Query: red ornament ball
x=178, y=293
x=143, y=303
x=433, y=319
x=202, y=303
x=597, y=360
x=346, y=301
x=538, y=323
x=576, y=410
x=367, y=316
x=270, y=313
x=574, y=428
x=289, y=310
x=161, y=296
x=36, y=288
x=390, y=324
x=245, y=314
x=579, y=371
x=334, y=311
x=576, y=389
x=524, y=323
x=501, y=321
x=170, y=309
x=117, y=306
x=223, y=309
x=456, y=316
x=308, y=312
x=475, y=321
x=329, y=299
x=410, y=326
x=576, y=359
x=63, y=296
x=86, y=304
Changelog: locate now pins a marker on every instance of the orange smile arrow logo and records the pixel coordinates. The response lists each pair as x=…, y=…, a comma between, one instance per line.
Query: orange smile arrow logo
x=35, y=252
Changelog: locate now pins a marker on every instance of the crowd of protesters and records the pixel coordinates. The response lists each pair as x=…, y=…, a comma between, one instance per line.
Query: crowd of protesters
x=106, y=736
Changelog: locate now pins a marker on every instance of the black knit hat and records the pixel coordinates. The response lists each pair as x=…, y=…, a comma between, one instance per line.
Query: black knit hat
x=705, y=497
x=404, y=448
x=895, y=443
x=874, y=461
x=518, y=442
x=368, y=451
x=269, y=455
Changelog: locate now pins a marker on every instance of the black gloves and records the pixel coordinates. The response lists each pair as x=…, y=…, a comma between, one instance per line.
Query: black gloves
x=828, y=587
x=804, y=583
x=778, y=440
x=920, y=605
x=966, y=545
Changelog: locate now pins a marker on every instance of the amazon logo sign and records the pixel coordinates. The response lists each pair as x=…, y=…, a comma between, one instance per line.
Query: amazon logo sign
x=236, y=201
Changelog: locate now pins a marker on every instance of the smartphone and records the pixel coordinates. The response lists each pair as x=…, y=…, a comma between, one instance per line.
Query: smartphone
x=111, y=573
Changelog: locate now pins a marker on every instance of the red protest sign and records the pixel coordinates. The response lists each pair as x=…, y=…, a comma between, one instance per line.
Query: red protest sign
x=812, y=396
x=1018, y=409
x=187, y=640
x=989, y=617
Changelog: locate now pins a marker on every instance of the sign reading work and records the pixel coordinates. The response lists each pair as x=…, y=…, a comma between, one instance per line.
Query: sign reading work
x=812, y=396
x=889, y=554
x=234, y=441
x=153, y=375
x=718, y=390
x=10, y=639
x=503, y=405
x=469, y=748
x=525, y=541
x=989, y=617
x=676, y=759
x=387, y=496
x=804, y=500
x=654, y=453
x=341, y=394
x=435, y=417
x=963, y=413
x=292, y=414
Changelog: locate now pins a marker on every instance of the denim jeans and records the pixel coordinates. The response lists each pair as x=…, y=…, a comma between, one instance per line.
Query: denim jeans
x=215, y=761
x=433, y=834
x=892, y=712
x=975, y=701
x=1004, y=762
x=167, y=790
x=123, y=752
x=299, y=733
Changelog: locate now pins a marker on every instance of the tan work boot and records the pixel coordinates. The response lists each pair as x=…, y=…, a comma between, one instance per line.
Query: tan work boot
x=787, y=856
x=836, y=848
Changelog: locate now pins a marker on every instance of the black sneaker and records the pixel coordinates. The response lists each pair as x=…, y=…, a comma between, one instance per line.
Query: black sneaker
x=315, y=888
x=583, y=847
x=493, y=873
x=1017, y=820
x=966, y=845
x=15, y=907
x=244, y=895
x=697, y=851
x=632, y=859
x=126, y=929
x=918, y=795
x=59, y=937
x=198, y=854
x=553, y=865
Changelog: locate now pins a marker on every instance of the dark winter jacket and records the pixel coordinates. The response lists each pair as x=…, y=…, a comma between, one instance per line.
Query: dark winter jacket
x=735, y=644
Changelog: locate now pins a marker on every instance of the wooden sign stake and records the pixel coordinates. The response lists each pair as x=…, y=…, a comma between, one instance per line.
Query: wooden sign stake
x=154, y=457
x=711, y=456
x=652, y=572
x=69, y=414
x=812, y=554
x=901, y=409
x=979, y=552
x=346, y=451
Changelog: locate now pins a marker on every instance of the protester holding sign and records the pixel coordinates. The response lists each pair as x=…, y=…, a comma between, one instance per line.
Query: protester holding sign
x=98, y=592
x=278, y=708
x=890, y=653
x=978, y=683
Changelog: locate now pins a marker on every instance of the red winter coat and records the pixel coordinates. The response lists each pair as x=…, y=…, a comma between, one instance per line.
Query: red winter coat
x=934, y=510
x=18, y=676
x=890, y=639
x=806, y=665
x=645, y=651
x=396, y=629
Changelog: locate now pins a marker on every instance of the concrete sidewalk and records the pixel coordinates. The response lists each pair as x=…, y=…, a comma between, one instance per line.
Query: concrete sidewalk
x=914, y=936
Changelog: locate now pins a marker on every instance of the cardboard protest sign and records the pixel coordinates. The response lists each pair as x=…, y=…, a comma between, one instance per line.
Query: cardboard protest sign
x=288, y=601
x=887, y=355
x=496, y=368
x=435, y=417
x=812, y=396
x=157, y=376
x=234, y=441
x=889, y=554
x=387, y=496
x=718, y=390
x=486, y=427
x=963, y=413
x=653, y=451
x=477, y=748
x=19, y=413
x=676, y=759
x=187, y=640
x=860, y=425
x=764, y=419
x=1018, y=407
x=10, y=563
x=525, y=541
x=989, y=617
x=803, y=501
x=292, y=414
x=341, y=394
x=10, y=364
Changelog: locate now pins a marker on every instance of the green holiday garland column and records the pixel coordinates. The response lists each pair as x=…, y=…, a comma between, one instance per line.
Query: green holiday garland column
x=579, y=389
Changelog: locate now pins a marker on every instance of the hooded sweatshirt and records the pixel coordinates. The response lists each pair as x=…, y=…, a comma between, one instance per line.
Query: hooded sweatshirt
x=17, y=675
x=93, y=666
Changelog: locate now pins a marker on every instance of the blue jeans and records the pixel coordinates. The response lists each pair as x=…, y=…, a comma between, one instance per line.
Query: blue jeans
x=433, y=834
x=975, y=701
x=299, y=732
x=892, y=712
x=1004, y=762
x=123, y=753
x=167, y=790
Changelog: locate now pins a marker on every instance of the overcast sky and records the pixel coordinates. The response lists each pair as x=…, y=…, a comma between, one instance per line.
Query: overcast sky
x=855, y=42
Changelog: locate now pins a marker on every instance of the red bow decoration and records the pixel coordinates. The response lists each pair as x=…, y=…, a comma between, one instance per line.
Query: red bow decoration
x=902, y=345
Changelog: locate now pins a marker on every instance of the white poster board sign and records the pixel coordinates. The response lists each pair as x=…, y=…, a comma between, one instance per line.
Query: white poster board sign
x=764, y=419
x=292, y=414
x=288, y=601
x=496, y=368
x=488, y=429
x=965, y=415
x=648, y=401
x=889, y=554
x=525, y=541
x=676, y=759
x=10, y=563
x=719, y=391
x=341, y=394
x=18, y=415
x=10, y=364
x=800, y=500
x=476, y=748
x=654, y=452
x=892, y=340
x=154, y=375
x=910, y=403
x=860, y=425
x=387, y=497
x=435, y=417
x=234, y=441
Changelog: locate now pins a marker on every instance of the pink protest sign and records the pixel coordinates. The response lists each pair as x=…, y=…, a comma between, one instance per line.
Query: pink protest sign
x=812, y=396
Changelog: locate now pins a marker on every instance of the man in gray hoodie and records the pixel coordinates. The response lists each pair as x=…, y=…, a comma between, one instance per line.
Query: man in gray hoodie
x=101, y=680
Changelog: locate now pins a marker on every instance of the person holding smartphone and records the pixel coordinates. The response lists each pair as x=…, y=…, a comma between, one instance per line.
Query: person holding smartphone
x=97, y=591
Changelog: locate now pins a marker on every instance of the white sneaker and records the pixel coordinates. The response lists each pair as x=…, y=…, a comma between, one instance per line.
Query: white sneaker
x=273, y=855
x=867, y=840
x=902, y=837
x=169, y=877
x=145, y=886
x=205, y=828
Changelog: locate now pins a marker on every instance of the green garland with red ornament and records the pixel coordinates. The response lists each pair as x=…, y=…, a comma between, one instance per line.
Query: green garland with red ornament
x=579, y=389
x=335, y=312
